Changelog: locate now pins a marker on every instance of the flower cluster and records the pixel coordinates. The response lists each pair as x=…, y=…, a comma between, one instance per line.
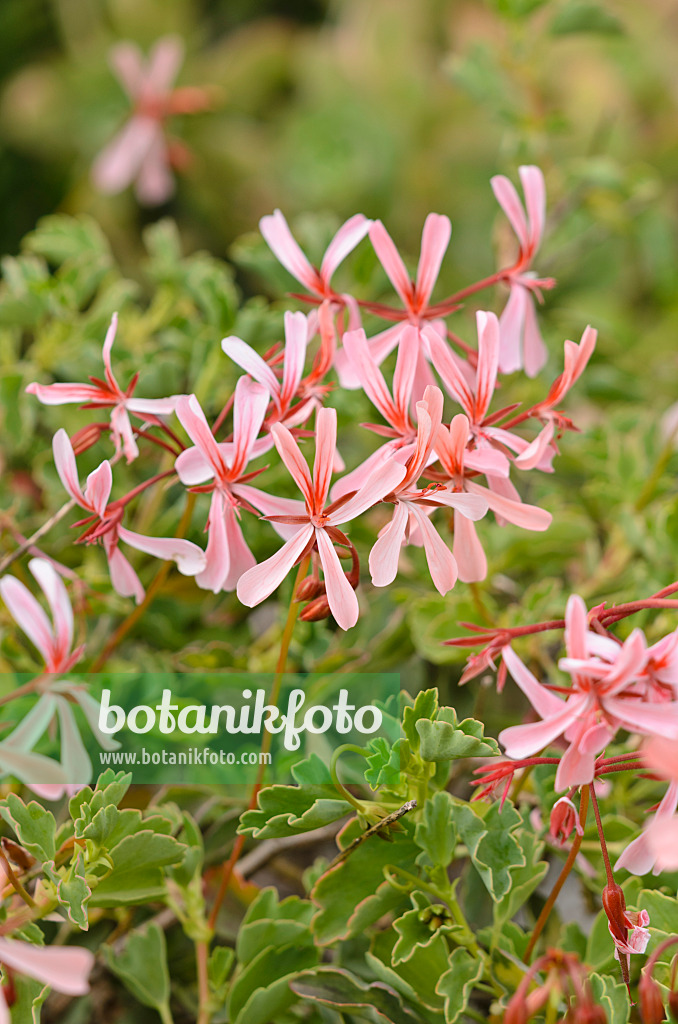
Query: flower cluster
x=435, y=467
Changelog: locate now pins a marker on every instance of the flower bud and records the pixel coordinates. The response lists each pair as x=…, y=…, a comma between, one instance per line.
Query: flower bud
x=309, y=588
x=564, y=819
x=88, y=436
x=651, y=1003
x=316, y=610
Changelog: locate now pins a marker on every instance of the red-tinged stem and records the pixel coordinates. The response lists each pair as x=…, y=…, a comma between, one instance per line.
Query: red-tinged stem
x=126, y=498
x=201, y=958
x=601, y=835
x=567, y=867
x=229, y=866
x=159, y=441
x=223, y=414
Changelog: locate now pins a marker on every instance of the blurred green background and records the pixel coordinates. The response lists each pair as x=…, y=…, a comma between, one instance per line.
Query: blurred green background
x=393, y=108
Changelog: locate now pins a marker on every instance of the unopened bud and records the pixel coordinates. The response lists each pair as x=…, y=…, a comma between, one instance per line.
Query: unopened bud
x=316, y=610
x=564, y=819
x=309, y=588
x=88, y=436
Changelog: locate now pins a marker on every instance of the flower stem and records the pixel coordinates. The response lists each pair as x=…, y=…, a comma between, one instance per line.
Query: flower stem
x=567, y=867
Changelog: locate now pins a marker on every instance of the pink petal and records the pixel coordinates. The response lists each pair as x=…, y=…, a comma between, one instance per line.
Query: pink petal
x=380, y=346
x=270, y=505
x=531, y=456
x=249, y=361
x=189, y=558
x=535, y=352
x=381, y=482
x=242, y=558
x=65, y=968
x=106, y=352
x=192, y=419
x=470, y=506
x=369, y=375
x=98, y=488
x=507, y=197
x=488, y=357
x=62, y=394
x=576, y=627
x=260, y=581
x=123, y=577
x=446, y=364
x=296, y=339
x=290, y=453
x=511, y=326
x=360, y=475
x=249, y=408
x=122, y=432
x=663, y=840
x=405, y=369
x=390, y=259
x=164, y=62
x=639, y=717
x=525, y=740
x=385, y=554
x=28, y=615
x=53, y=588
x=64, y=460
x=344, y=242
x=434, y=242
x=155, y=182
x=153, y=406
x=325, y=447
x=468, y=551
x=128, y=66
x=279, y=238
x=576, y=768
x=441, y=563
x=545, y=703
x=341, y=596
x=534, y=191
x=488, y=461
x=661, y=757
x=528, y=517
x=193, y=467
x=638, y=857
x=217, y=552
x=120, y=161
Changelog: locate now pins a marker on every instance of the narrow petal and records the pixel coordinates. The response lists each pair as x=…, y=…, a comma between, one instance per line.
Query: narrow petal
x=270, y=505
x=469, y=506
x=468, y=551
x=545, y=703
x=75, y=760
x=528, y=517
x=381, y=482
x=91, y=710
x=525, y=740
x=325, y=448
x=193, y=467
x=193, y=420
x=119, y=162
x=251, y=362
x=511, y=327
x=434, y=242
x=576, y=627
x=344, y=242
x=164, y=62
x=296, y=339
x=533, y=454
x=576, y=768
x=535, y=352
x=507, y=197
x=249, y=408
x=123, y=577
x=54, y=590
x=155, y=182
x=663, y=839
x=217, y=553
x=123, y=434
x=340, y=594
x=441, y=563
x=488, y=359
x=153, y=406
x=98, y=488
x=446, y=364
x=534, y=190
x=405, y=370
x=385, y=554
x=127, y=65
x=65, y=968
x=189, y=558
x=290, y=453
x=63, y=394
x=639, y=717
x=28, y=615
x=391, y=261
x=32, y=725
x=30, y=768
x=279, y=238
x=260, y=581
x=369, y=375
x=241, y=558
x=64, y=460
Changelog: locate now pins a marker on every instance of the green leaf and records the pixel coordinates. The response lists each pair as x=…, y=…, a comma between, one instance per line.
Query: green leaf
x=420, y=927
x=60, y=237
x=261, y=990
x=272, y=923
x=34, y=826
x=436, y=833
x=386, y=762
x=446, y=738
x=524, y=878
x=491, y=846
x=663, y=910
x=137, y=875
x=341, y=990
x=142, y=967
x=457, y=984
x=613, y=996
x=219, y=967
x=586, y=17
x=424, y=709
x=289, y=810
x=74, y=893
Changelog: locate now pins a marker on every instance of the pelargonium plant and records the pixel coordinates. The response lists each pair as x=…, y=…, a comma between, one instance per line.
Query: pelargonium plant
x=448, y=920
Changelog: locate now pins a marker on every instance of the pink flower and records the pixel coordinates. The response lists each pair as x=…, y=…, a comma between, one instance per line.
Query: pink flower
x=413, y=507
x=54, y=639
x=318, y=527
x=107, y=527
x=603, y=698
x=280, y=240
x=656, y=848
x=227, y=554
x=65, y=968
x=627, y=928
x=141, y=151
x=415, y=296
x=521, y=341
x=101, y=394
x=461, y=466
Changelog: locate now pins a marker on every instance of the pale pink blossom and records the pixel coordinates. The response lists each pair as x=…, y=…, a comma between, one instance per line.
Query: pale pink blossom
x=602, y=700
x=413, y=507
x=280, y=240
x=317, y=528
x=224, y=465
x=102, y=394
x=415, y=296
x=64, y=968
x=521, y=340
x=106, y=524
x=656, y=848
x=54, y=640
x=141, y=152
